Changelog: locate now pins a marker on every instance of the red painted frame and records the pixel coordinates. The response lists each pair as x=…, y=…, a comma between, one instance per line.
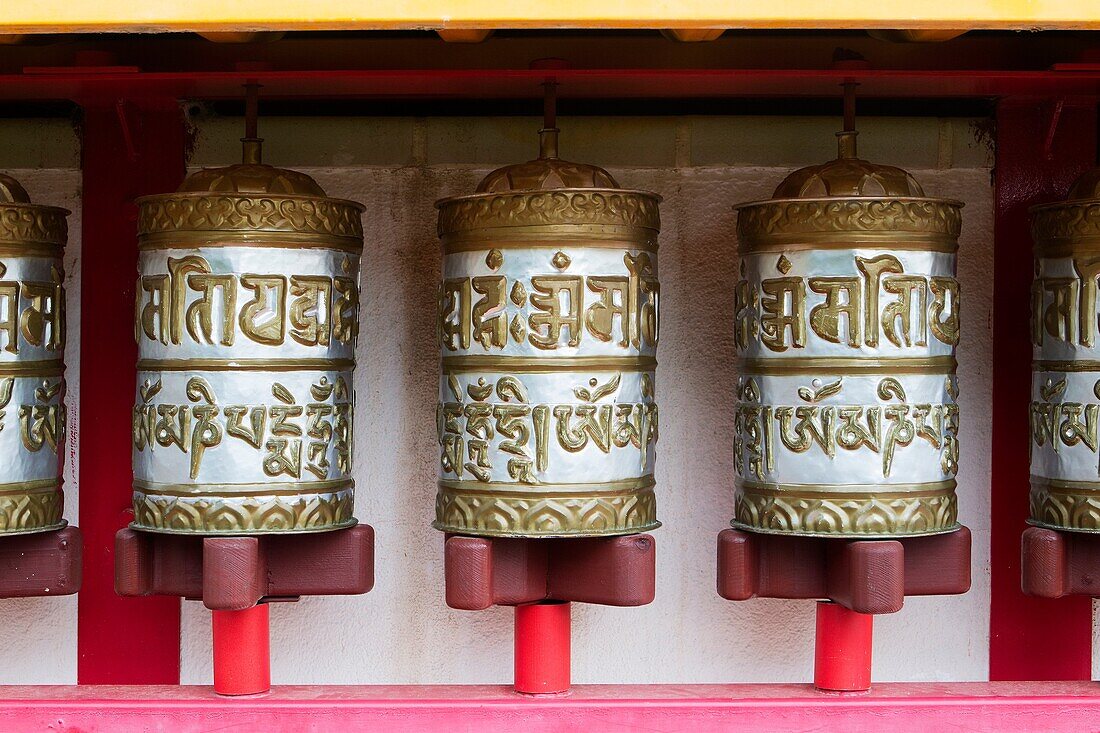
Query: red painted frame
x=1082, y=80
x=916, y=708
x=134, y=144
x=1042, y=146
x=129, y=149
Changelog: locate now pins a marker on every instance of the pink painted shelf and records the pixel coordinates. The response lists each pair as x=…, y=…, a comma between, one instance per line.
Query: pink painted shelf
x=970, y=706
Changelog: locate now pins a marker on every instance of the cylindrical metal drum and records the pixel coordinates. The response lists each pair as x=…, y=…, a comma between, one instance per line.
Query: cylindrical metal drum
x=246, y=321
x=846, y=322
x=1065, y=384
x=32, y=348
x=547, y=420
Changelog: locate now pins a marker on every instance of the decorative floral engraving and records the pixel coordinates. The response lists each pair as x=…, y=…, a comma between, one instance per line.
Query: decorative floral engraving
x=1060, y=223
x=32, y=224
x=758, y=223
x=244, y=515
x=542, y=514
x=223, y=213
x=27, y=511
x=1075, y=511
x=846, y=515
x=543, y=208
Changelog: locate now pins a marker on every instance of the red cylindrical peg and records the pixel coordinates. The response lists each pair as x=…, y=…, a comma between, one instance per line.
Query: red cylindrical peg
x=242, y=651
x=842, y=655
x=542, y=648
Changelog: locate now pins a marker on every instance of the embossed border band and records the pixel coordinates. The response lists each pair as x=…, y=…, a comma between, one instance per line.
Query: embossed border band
x=548, y=237
x=38, y=486
x=1074, y=365
x=45, y=368
x=872, y=511
x=1063, y=228
x=174, y=216
x=562, y=208
x=28, y=507
x=1072, y=506
x=604, y=487
x=275, y=488
x=819, y=490
x=592, y=511
x=33, y=223
x=190, y=240
x=549, y=364
x=876, y=243
x=244, y=365
x=32, y=250
x=226, y=514
x=935, y=221
x=847, y=365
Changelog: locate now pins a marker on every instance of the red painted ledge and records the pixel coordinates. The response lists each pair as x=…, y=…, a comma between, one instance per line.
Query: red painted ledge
x=975, y=706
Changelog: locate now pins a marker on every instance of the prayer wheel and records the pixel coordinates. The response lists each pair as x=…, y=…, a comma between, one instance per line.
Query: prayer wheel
x=1065, y=385
x=32, y=349
x=548, y=322
x=846, y=323
x=246, y=321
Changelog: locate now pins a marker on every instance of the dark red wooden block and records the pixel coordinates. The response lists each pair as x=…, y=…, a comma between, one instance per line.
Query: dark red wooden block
x=1056, y=564
x=41, y=563
x=611, y=571
x=866, y=576
x=235, y=573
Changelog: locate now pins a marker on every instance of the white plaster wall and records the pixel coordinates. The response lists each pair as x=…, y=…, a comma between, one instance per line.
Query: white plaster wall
x=38, y=635
x=403, y=632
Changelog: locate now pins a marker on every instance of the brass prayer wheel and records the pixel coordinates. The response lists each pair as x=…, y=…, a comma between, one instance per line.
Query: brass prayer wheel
x=847, y=318
x=1065, y=385
x=246, y=321
x=548, y=322
x=32, y=348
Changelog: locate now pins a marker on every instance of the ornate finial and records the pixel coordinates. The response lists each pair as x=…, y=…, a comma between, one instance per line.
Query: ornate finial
x=251, y=143
x=11, y=192
x=846, y=144
x=546, y=172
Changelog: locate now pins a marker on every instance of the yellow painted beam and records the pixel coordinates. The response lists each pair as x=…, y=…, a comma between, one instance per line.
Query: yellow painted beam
x=61, y=16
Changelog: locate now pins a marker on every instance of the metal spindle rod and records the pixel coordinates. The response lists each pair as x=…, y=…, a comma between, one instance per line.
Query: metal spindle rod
x=251, y=109
x=550, y=104
x=842, y=651
x=850, y=105
x=542, y=660
x=242, y=651
x=252, y=152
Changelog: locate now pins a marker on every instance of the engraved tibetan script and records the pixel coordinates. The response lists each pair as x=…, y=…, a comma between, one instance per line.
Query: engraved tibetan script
x=552, y=310
x=473, y=427
x=192, y=304
x=763, y=432
x=32, y=312
x=878, y=305
x=1064, y=307
x=292, y=435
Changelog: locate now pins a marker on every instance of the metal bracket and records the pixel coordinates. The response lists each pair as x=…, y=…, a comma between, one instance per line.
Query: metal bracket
x=502, y=571
x=236, y=573
x=866, y=576
x=40, y=563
